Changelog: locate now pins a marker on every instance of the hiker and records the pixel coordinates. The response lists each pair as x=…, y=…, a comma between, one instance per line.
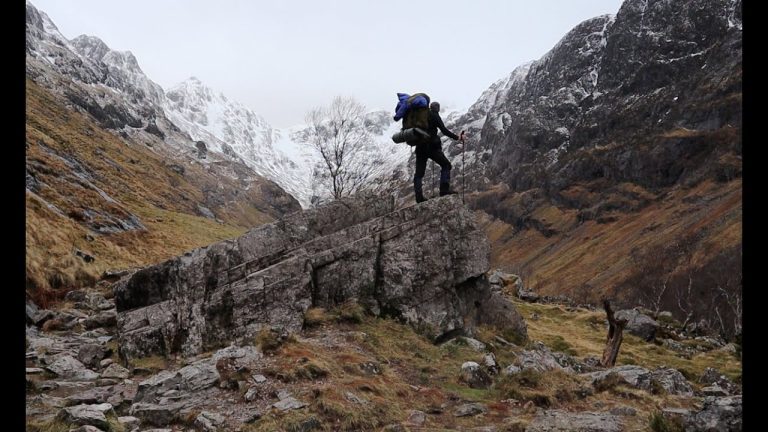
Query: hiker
x=433, y=149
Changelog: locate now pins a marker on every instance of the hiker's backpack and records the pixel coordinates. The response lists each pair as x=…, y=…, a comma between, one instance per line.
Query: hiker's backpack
x=414, y=110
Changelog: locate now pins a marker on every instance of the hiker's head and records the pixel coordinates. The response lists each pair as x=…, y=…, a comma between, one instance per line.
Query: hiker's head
x=435, y=106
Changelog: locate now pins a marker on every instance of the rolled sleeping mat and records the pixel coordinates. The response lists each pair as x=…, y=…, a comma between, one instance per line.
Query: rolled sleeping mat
x=411, y=134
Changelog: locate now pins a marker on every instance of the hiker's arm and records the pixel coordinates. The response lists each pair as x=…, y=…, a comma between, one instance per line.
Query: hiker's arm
x=445, y=130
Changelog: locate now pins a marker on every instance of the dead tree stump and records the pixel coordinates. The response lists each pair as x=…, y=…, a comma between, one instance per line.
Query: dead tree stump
x=615, y=336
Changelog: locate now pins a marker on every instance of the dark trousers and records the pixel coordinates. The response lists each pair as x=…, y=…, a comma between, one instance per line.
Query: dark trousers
x=430, y=151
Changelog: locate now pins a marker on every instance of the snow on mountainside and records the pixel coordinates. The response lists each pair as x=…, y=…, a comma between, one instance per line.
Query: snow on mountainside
x=231, y=128
x=117, y=92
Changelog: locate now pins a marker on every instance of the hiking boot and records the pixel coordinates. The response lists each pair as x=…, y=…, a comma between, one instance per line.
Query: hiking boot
x=417, y=191
x=445, y=189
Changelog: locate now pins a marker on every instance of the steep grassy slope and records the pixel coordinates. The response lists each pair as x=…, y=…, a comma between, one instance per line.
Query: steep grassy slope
x=122, y=202
x=678, y=248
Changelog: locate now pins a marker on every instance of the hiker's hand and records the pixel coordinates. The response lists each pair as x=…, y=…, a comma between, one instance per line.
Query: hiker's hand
x=462, y=136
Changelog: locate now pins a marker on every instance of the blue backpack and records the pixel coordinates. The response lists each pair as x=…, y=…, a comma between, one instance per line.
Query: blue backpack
x=414, y=110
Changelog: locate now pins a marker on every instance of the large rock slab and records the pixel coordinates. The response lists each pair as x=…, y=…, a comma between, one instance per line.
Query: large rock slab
x=425, y=264
x=670, y=380
x=563, y=421
x=66, y=366
x=93, y=415
x=189, y=379
x=629, y=374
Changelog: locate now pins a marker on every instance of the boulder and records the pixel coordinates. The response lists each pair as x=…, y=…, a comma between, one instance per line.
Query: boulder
x=209, y=422
x=66, y=366
x=129, y=422
x=671, y=380
x=92, y=354
x=116, y=371
x=629, y=374
x=713, y=377
x=717, y=414
x=475, y=376
x=93, y=415
x=189, y=379
x=540, y=359
x=638, y=324
x=425, y=264
x=157, y=414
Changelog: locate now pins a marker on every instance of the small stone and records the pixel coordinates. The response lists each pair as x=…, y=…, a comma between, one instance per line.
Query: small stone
x=474, y=376
x=416, y=418
x=129, y=422
x=106, y=362
x=209, y=422
x=354, y=398
x=470, y=409
x=489, y=361
x=623, y=411
x=259, y=379
x=251, y=394
x=75, y=296
x=289, y=403
x=254, y=416
x=713, y=390
x=34, y=371
x=115, y=371
x=370, y=368
x=86, y=428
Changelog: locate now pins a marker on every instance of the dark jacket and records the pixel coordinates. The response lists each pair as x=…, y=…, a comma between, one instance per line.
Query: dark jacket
x=435, y=123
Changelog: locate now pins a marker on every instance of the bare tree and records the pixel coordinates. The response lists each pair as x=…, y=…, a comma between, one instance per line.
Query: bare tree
x=684, y=297
x=614, y=338
x=338, y=133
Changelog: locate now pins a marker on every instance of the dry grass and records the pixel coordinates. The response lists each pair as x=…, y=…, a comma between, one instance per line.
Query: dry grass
x=152, y=363
x=587, y=259
x=586, y=331
x=74, y=161
x=60, y=426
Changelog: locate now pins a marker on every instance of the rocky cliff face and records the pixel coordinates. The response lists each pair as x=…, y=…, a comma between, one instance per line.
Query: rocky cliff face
x=598, y=104
x=631, y=124
x=423, y=264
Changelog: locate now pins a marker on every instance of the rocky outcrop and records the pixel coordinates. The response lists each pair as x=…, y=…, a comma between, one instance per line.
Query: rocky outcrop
x=424, y=264
x=591, y=106
x=661, y=380
x=720, y=414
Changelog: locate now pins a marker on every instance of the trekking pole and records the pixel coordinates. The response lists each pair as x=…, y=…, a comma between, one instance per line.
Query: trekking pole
x=463, y=172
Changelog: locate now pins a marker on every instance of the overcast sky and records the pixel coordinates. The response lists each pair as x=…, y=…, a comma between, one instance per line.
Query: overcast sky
x=282, y=58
